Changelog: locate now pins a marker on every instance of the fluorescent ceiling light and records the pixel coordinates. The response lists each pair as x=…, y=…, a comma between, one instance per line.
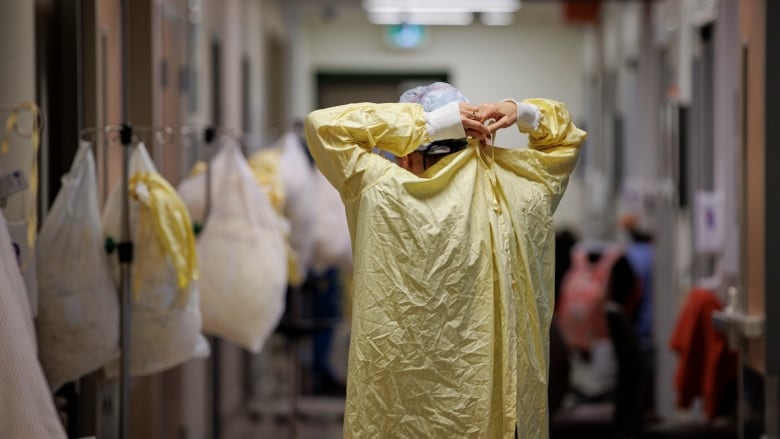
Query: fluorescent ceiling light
x=428, y=6
x=429, y=18
x=496, y=18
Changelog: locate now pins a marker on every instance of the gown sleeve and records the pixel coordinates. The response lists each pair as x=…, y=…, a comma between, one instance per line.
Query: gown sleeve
x=342, y=138
x=554, y=142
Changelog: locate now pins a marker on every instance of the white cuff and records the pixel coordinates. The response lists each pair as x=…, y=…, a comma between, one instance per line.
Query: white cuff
x=444, y=122
x=528, y=116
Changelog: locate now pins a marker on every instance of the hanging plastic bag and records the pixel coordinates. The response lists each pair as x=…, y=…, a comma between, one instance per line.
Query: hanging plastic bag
x=192, y=191
x=26, y=404
x=266, y=170
x=165, y=316
x=264, y=165
x=78, y=319
x=332, y=242
x=242, y=256
x=297, y=174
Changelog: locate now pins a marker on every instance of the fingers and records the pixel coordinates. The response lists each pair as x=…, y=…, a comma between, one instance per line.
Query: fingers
x=503, y=114
x=469, y=112
x=501, y=123
x=471, y=119
x=474, y=118
x=475, y=128
x=480, y=133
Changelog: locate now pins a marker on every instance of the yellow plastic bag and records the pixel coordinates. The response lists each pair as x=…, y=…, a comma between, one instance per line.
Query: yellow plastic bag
x=266, y=170
x=165, y=314
x=243, y=257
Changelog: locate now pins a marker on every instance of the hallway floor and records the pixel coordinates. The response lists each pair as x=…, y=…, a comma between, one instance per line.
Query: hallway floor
x=319, y=418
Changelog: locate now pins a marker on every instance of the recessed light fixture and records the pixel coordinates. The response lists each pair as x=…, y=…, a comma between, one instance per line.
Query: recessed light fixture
x=441, y=12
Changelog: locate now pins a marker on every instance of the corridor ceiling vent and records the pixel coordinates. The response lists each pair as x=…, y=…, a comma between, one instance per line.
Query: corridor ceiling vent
x=441, y=12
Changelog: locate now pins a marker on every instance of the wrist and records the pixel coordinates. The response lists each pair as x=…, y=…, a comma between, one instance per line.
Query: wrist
x=528, y=116
x=445, y=123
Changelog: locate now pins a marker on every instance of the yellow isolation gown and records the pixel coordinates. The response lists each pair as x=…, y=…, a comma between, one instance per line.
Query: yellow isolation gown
x=453, y=274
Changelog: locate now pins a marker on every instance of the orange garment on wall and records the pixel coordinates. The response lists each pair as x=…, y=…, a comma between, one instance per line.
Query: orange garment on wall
x=705, y=365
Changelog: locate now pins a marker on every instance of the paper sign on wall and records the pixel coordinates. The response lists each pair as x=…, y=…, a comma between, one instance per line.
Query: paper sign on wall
x=709, y=224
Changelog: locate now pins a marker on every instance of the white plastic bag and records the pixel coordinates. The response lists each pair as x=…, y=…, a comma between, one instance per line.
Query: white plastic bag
x=165, y=317
x=192, y=191
x=78, y=317
x=333, y=245
x=298, y=180
x=242, y=254
x=26, y=404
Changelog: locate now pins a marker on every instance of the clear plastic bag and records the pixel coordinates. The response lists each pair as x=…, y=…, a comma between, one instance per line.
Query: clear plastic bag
x=78, y=313
x=242, y=254
x=299, y=208
x=165, y=315
x=192, y=191
x=333, y=245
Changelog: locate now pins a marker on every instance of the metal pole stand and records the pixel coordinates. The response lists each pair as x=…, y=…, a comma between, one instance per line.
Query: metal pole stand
x=125, y=253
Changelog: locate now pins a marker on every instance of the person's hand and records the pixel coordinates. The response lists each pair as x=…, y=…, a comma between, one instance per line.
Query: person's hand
x=504, y=114
x=472, y=120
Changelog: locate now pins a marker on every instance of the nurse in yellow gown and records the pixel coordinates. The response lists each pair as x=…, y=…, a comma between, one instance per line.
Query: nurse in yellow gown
x=453, y=260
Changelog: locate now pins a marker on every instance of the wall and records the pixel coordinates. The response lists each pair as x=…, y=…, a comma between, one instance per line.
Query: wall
x=252, y=39
x=727, y=140
x=488, y=63
x=537, y=56
x=630, y=48
x=17, y=50
x=753, y=32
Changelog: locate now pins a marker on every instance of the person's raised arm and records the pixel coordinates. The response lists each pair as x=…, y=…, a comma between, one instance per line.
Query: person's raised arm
x=547, y=122
x=341, y=138
x=552, y=135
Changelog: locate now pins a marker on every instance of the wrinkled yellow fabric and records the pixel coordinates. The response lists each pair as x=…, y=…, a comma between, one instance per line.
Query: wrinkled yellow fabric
x=167, y=213
x=265, y=165
x=198, y=168
x=453, y=274
x=265, y=168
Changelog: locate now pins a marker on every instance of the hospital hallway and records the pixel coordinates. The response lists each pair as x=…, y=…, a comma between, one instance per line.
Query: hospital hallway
x=184, y=254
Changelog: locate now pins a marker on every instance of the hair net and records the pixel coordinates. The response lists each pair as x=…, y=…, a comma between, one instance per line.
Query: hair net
x=431, y=97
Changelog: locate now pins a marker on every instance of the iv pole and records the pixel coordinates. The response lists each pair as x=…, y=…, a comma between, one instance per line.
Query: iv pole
x=209, y=135
x=125, y=248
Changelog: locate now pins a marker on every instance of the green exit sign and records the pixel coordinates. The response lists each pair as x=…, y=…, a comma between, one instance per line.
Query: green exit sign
x=405, y=36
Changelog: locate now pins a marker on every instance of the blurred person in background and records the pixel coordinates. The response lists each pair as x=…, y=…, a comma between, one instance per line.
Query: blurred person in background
x=640, y=255
x=560, y=364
